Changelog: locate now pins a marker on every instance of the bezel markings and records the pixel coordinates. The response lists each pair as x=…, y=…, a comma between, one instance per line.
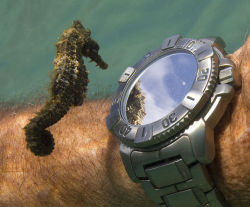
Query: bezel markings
x=185, y=111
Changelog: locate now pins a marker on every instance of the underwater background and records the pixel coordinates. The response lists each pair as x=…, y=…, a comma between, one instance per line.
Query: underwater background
x=125, y=31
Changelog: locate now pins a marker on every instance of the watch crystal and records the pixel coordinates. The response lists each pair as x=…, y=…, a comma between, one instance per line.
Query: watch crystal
x=160, y=88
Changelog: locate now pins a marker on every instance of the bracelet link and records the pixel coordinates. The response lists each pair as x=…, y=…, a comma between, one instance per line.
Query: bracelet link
x=169, y=173
x=175, y=178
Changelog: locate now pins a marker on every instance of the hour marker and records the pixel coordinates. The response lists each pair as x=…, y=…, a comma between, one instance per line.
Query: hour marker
x=191, y=98
x=204, y=52
x=126, y=74
x=169, y=42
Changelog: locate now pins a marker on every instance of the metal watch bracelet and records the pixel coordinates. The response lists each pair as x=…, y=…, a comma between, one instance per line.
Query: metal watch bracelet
x=187, y=183
x=187, y=180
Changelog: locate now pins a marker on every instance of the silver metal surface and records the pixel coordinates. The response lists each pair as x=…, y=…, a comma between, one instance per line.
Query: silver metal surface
x=192, y=98
x=180, y=148
x=126, y=74
x=170, y=162
x=125, y=152
x=202, y=140
x=200, y=179
x=170, y=42
x=221, y=98
x=228, y=73
x=162, y=129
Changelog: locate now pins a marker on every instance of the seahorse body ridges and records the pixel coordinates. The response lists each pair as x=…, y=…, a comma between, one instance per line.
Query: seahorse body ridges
x=68, y=85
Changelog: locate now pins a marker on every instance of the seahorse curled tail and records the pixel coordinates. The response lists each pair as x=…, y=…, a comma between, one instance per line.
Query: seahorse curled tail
x=68, y=85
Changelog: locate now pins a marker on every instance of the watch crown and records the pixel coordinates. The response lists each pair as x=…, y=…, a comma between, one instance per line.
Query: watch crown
x=227, y=73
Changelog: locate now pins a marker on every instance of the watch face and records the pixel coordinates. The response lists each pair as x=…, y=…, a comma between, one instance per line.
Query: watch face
x=160, y=88
x=163, y=92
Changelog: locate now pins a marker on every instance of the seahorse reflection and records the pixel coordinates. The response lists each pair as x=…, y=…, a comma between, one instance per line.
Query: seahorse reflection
x=135, y=108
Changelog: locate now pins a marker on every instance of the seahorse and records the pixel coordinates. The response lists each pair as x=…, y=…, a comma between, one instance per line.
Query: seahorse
x=67, y=88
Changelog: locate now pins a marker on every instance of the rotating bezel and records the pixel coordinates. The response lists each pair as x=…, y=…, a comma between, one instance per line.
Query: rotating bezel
x=143, y=136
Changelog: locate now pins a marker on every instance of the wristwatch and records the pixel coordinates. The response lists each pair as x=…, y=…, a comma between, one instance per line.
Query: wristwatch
x=164, y=113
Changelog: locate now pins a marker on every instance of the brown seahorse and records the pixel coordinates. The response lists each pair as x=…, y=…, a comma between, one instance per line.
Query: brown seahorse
x=68, y=85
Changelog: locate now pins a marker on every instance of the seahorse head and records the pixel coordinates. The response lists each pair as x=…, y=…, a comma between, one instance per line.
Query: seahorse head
x=90, y=47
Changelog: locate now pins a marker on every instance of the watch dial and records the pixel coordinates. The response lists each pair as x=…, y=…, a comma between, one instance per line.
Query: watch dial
x=160, y=88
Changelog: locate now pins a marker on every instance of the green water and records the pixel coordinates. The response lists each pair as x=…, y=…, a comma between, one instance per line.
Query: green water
x=125, y=31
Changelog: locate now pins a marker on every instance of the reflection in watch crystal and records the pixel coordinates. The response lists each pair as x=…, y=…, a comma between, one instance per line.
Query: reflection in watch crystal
x=161, y=88
x=136, y=105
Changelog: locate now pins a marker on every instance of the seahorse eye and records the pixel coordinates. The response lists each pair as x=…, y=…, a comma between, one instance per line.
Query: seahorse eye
x=67, y=88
